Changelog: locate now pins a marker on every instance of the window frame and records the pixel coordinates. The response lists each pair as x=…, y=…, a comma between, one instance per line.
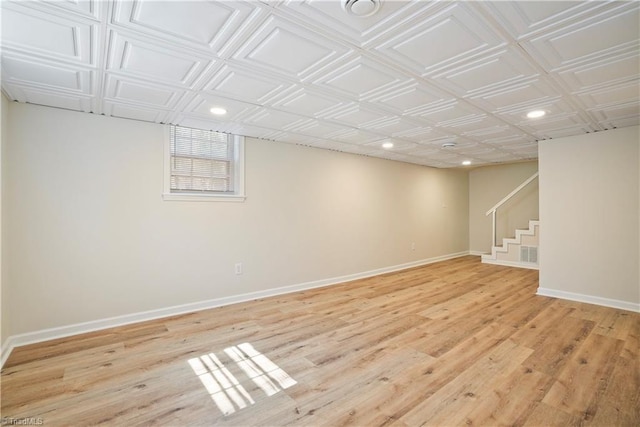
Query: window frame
x=238, y=195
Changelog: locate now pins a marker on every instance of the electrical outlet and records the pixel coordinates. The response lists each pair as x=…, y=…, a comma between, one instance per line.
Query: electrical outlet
x=413, y=246
x=239, y=268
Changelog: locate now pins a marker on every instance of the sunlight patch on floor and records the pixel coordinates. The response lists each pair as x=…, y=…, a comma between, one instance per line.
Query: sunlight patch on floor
x=226, y=390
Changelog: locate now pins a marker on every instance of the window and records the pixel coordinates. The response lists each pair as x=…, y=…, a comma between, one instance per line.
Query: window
x=203, y=165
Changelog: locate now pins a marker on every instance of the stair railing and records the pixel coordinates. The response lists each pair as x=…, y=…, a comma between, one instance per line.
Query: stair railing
x=494, y=209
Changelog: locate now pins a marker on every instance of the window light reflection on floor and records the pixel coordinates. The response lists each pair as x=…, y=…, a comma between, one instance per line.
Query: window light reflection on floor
x=226, y=390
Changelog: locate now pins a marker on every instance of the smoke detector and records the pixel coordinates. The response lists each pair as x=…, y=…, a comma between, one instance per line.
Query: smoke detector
x=449, y=144
x=361, y=8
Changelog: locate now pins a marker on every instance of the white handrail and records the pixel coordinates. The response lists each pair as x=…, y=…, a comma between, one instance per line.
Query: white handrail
x=493, y=210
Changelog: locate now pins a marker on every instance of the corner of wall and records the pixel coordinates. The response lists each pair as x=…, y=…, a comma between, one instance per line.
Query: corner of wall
x=4, y=327
x=591, y=239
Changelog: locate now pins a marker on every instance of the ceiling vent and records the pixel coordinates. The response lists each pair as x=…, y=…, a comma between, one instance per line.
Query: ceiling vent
x=361, y=8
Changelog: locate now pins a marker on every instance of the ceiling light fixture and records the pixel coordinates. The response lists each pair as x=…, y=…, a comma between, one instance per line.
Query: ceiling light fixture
x=536, y=114
x=466, y=162
x=387, y=145
x=218, y=111
x=361, y=8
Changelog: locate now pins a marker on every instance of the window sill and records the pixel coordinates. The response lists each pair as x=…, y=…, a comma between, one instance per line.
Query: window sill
x=182, y=197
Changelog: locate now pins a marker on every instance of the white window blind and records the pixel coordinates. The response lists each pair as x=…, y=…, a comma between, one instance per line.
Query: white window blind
x=201, y=161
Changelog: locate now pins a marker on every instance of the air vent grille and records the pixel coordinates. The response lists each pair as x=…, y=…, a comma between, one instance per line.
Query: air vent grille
x=529, y=254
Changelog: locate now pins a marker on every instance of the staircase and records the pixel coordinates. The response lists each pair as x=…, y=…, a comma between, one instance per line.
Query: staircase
x=519, y=251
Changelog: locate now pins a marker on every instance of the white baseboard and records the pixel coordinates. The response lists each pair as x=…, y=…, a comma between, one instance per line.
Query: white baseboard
x=590, y=299
x=96, y=325
x=511, y=263
x=478, y=253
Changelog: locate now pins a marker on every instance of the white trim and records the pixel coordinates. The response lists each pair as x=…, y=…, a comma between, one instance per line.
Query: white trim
x=478, y=253
x=517, y=240
x=237, y=196
x=510, y=195
x=5, y=350
x=510, y=263
x=189, y=197
x=96, y=325
x=590, y=299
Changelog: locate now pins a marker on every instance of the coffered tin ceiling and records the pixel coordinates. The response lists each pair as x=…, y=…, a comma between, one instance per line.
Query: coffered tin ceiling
x=417, y=73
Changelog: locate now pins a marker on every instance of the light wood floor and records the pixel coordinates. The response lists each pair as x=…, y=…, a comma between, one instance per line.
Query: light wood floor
x=452, y=343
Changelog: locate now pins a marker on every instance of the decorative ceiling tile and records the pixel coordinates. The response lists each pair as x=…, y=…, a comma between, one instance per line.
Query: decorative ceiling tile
x=493, y=132
x=443, y=39
x=411, y=99
x=234, y=82
x=554, y=108
x=249, y=130
x=120, y=89
x=524, y=150
x=421, y=134
x=443, y=155
x=477, y=150
x=361, y=78
x=274, y=119
x=48, y=36
x=496, y=156
x=354, y=136
x=304, y=71
x=91, y=9
x=135, y=112
x=619, y=113
x=422, y=150
x=602, y=73
x=207, y=25
x=50, y=98
x=45, y=74
x=499, y=69
x=461, y=144
x=398, y=145
x=620, y=122
x=395, y=126
x=288, y=49
x=202, y=103
x=457, y=111
x=554, y=126
x=612, y=32
x=612, y=95
x=198, y=122
x=532, y=93
x=318, y=128
x=510, y=141
x=136, y=58
x=474, y=124
x=308, y=102
x=521, y=18
x=361, y=31
x=357, y=115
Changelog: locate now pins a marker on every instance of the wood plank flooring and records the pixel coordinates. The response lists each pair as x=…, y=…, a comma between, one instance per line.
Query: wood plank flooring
x=448, y=344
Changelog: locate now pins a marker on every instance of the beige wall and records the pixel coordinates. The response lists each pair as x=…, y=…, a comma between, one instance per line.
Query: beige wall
x=589, y=210
x=487, y=186
x=91, y=237
x=4, y=126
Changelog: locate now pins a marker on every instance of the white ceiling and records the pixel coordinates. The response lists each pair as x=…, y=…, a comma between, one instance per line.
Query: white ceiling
x=417, y=73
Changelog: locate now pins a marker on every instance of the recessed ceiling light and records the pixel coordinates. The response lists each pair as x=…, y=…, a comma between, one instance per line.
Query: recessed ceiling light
x=466, y=162
x=361, y=8
x=218, y=111
x=387, y=145
x=535, y=114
